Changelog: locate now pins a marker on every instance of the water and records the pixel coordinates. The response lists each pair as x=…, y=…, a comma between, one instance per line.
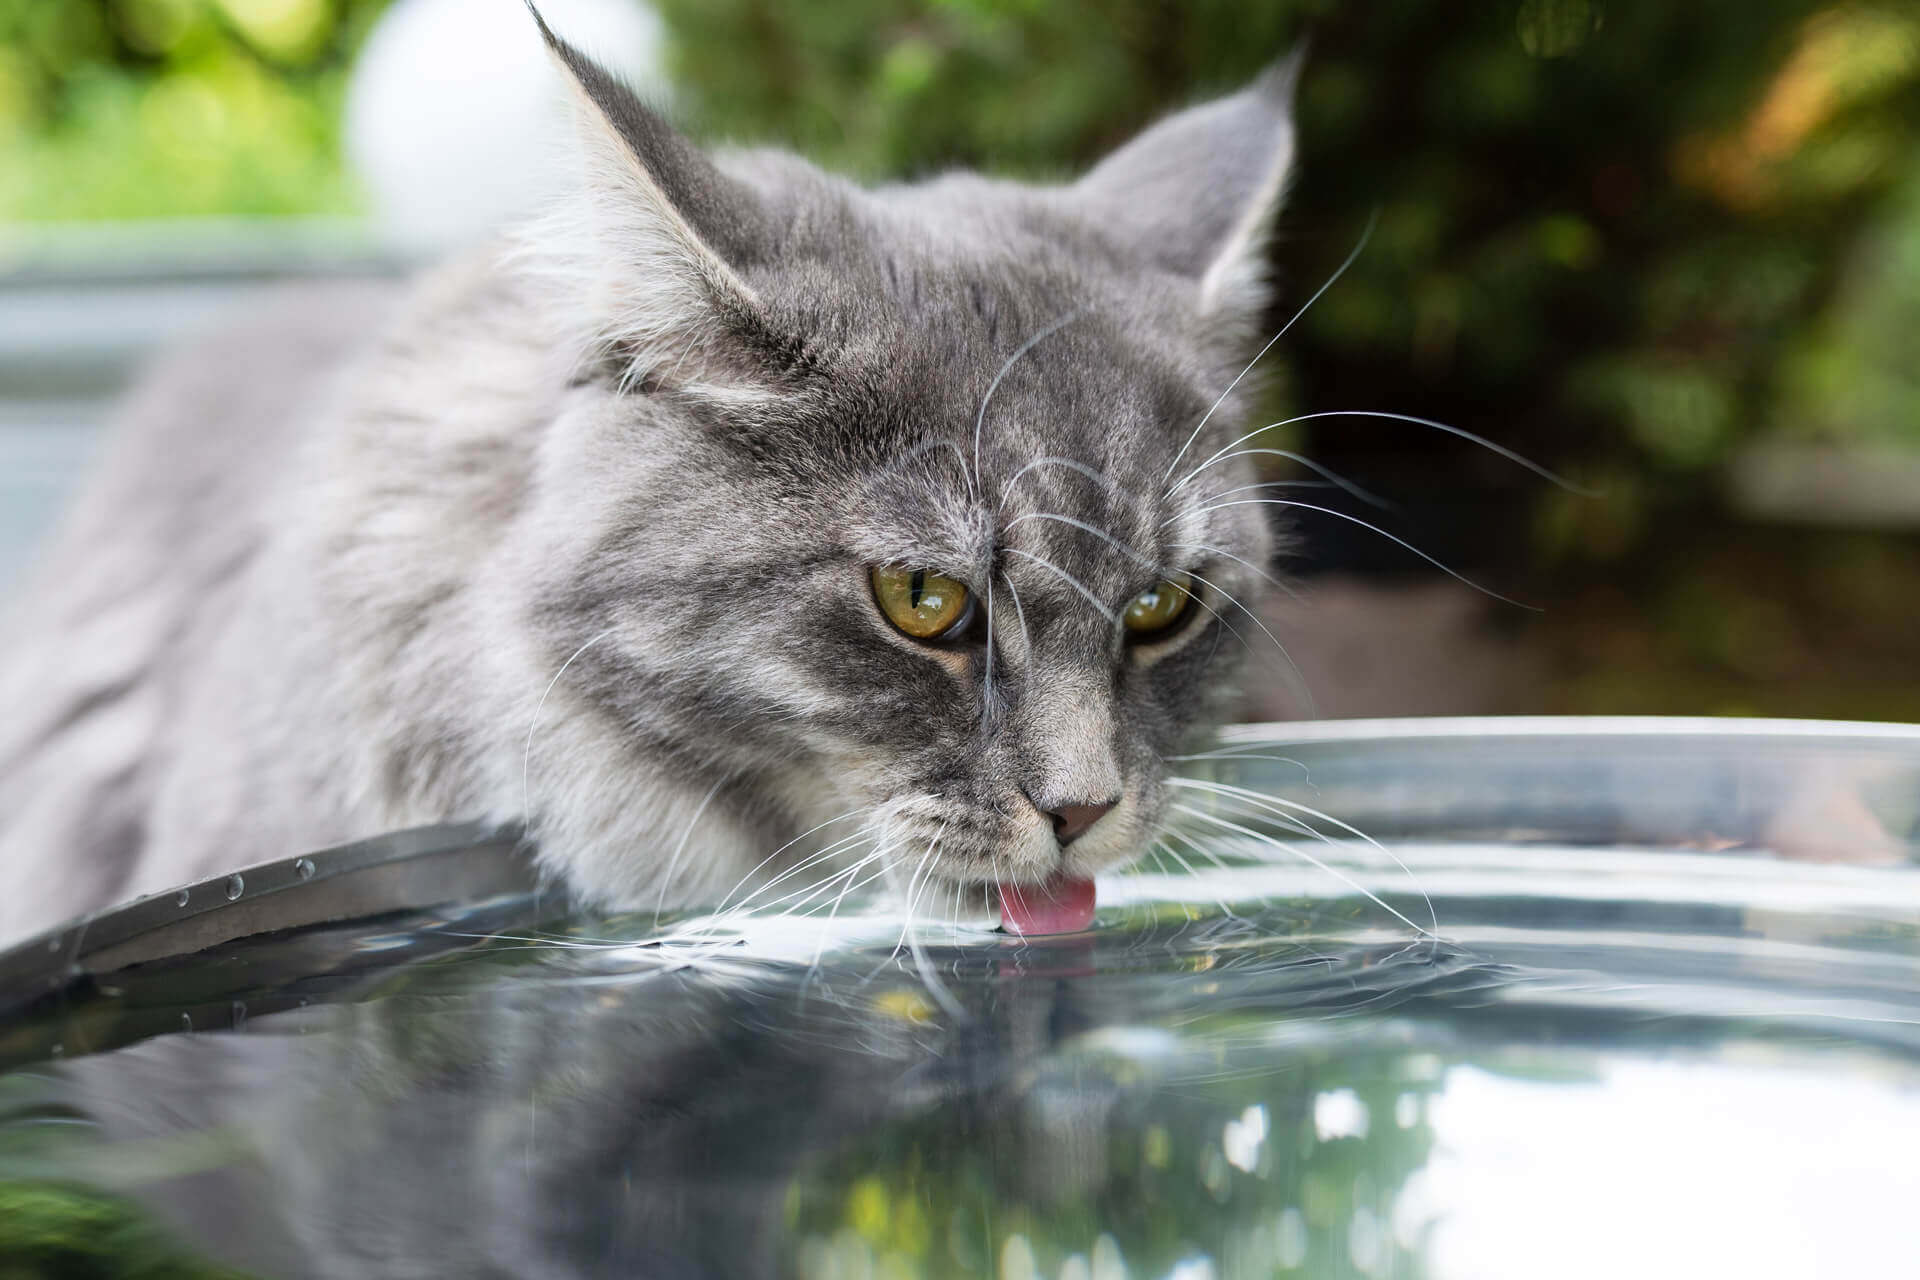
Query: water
x=1660, y=1016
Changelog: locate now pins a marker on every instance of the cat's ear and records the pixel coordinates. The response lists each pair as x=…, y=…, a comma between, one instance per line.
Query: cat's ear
x=1198, y=192
x=658, y=236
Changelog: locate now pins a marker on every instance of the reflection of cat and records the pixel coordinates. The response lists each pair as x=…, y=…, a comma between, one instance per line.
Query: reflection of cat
x=674, y=1124
x=594, y=533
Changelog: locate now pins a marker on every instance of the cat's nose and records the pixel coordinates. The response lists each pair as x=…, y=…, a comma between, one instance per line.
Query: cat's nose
x=1070, y=821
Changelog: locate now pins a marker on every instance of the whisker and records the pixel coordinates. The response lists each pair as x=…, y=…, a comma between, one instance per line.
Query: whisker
x=842, y=817
x=1097, y=476
x=1270, y=803
x=526, y=759
x=1308, y=506
x=934, y=986
x=751, y=903
x=1175, y=855
x=1272, y=581
x=1070, y=580
x=833, y=913
x=1365, y=236
x=980, y=419
x=1235, y=753
x=1336, y=873
x=1500, y=449
x=673, y=864
x=1298, y=678
x=1084, y=527
x=1277, y=805
x=1320, y=469
x=1026, y=636
x=986, y=695
x=926, y=446
x=1258, y=485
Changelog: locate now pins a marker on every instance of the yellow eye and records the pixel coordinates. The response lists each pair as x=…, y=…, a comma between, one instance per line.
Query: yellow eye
x=924, y=605
x=1157, y=610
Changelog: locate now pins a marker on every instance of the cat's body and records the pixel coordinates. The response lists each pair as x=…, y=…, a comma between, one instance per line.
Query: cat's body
x=579, y=532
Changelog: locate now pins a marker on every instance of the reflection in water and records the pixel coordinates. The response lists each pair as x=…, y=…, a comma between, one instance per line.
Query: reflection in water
x=1683, y=1057
x=524, y=1113
x=1187, y=1098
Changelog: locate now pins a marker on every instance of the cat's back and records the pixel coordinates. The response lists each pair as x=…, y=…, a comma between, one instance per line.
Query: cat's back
x=96, y=646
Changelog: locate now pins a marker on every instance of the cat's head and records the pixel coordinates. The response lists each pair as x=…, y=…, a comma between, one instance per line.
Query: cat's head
x=917, y=503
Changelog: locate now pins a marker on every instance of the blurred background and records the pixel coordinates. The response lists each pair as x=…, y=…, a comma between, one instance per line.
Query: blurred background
x=1669, y=251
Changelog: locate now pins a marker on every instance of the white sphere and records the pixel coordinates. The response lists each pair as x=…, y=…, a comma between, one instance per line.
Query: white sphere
x=457, y=119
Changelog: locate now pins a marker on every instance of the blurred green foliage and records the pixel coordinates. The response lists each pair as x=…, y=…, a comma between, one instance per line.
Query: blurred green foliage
x=1621, y=236
x=168, y=108
x=62, y=1231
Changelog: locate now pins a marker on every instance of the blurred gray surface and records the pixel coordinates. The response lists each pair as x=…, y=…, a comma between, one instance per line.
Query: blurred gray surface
x=45, y=446
x=82, y=308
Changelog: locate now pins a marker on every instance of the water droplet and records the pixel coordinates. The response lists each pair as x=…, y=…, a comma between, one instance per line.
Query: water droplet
x=53, y=943
x=239, y=1012
x=180, y=898
x=304, y=1002
x=186, y=1022
x=303, y=867
x=235, y=887
x=59, y=1051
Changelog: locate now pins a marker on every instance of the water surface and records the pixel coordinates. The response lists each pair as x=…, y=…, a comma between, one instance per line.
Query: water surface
x=1641, y=1001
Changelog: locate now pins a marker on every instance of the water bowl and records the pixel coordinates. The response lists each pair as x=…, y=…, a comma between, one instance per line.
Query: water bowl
x=1461, y=999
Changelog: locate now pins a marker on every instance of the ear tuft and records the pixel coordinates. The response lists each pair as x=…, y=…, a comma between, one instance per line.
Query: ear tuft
x=1197, y=193
x=657, y=235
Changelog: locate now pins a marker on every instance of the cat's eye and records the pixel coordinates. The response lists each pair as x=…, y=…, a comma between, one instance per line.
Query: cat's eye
x=920, y=603
x=1155, y=612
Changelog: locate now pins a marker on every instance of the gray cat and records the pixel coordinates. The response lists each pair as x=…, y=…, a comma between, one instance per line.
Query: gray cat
x=733, y=514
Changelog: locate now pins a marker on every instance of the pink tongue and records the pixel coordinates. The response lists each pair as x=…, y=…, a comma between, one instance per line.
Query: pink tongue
x=1061, y=905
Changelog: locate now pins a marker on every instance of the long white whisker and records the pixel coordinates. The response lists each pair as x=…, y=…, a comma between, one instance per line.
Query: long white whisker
x=751, y=901
x=1308, y=506
x=1365, y=236
x=986, y=696
x=1320, y=469
x=833, y=913
x=1026, y=636
x=526, y=759
x=980, y=419
x=927, y=976
x=1298, y=679
x=1084, y=527
x=1335, y=872
x=1098, y=477
x=673, y=864
x=1272, y=581
x=841, y=817
x=1070, y=580
x=1277, y=804
x=1449, y=428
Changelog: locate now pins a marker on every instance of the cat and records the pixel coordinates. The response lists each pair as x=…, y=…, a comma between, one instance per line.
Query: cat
x=732, y=515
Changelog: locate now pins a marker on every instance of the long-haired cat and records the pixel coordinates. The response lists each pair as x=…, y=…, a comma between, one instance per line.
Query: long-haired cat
x=731, y=513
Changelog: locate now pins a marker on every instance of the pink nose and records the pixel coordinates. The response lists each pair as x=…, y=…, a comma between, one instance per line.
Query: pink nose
x=1070, y=821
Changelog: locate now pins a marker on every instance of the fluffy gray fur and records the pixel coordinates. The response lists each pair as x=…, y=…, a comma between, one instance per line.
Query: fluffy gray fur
x=577, y=532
